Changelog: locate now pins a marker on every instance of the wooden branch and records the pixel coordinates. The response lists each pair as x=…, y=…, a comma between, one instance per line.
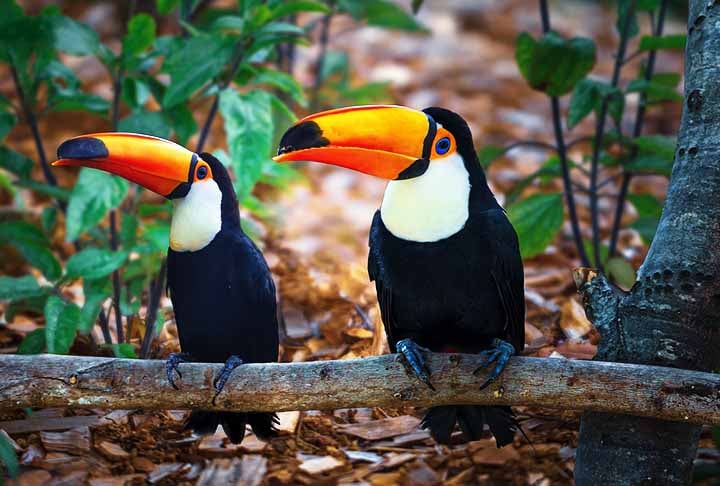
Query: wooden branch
x=650, y=391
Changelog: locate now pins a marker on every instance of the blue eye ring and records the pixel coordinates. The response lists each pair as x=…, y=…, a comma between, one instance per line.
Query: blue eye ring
x=202, y=172
x=442, y=146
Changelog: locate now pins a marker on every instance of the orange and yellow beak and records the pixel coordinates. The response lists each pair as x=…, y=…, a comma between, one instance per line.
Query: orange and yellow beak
x=382, y=140
x=159, y=165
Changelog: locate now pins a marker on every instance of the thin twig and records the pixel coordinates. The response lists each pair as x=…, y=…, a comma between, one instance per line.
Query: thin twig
x=562, y=155
x=600, y=133
x=320, y=64
x=637, y=130
x=156, y=289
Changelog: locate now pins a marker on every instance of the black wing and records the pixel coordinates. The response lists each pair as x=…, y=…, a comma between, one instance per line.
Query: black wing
x=507, y=272
x=382, y=287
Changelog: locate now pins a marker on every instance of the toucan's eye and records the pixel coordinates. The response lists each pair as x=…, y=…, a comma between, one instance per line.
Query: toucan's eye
x=201, y=172
x=442, y=146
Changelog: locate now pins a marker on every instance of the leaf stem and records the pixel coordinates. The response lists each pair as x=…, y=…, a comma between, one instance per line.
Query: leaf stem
x=155, y=292
x=637, y=130
x=562, y=155
x=600, y=134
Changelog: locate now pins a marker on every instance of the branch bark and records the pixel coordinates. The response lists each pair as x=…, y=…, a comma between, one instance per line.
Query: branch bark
x=72, y=381
x=670, y=317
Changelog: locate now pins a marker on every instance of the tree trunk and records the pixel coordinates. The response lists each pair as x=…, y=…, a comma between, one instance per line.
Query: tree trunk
x=671, y=317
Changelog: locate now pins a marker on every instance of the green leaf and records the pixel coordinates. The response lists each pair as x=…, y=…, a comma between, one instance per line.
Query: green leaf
x=672, y=41
x=290, y=7
x=249, y=131
x=30, y=241
x=158, y=235
x=96, y=293
x=165, y=7
x=70, y=100
x=656, y=144
x=128, y=230
x=49, y=219
x=61, y=322
x=135, y=92
x=381, y=13
x=15, y=288
x=489, y=153
x=553, y=64
x=282, y=81
x=95, y=193
x=625, y=9
x=15, y=162
x=649, y=211
x=33, y=342
x=147, y=122
x=140, y=35
x=621, y=271
x=73, y=37
x=180, y=118
x=7, y=122
x=198, y=61
x=662, y=87
x=537, y=220
x=8, y=457
x=59, y=193
x=123, y=350
x=588, y=95
x=650, y=164
x=93, y=263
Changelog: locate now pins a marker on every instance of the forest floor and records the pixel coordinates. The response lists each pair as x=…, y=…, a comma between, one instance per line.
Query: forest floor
x=316, y=246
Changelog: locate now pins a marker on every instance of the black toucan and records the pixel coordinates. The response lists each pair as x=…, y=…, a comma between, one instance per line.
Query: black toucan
x=220, y=286
x=444, y=257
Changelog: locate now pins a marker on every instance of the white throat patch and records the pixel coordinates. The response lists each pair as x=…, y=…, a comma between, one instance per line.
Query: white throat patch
x=430, y=207
x=196, y=217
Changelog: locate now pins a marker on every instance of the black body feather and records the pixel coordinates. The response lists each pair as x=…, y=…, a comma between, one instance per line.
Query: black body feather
x=224, y=301
x=456, y=294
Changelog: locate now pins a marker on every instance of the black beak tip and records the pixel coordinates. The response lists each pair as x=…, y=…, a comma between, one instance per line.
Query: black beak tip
x=302, y=136
x=83, y=148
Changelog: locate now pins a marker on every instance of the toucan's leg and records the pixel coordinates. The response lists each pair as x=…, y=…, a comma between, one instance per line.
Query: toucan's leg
x=500, y=353
x=412, y=353
x=171, y=365
x=220, y=380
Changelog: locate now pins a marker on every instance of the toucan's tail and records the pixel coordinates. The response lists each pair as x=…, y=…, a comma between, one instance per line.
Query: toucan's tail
x=263, y=424
x=471, y=418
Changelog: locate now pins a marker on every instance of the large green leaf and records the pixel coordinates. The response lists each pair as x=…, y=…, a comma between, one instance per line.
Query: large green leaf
x=15, y=288
x=165, y=7
x=649, y=211
x=15, y=162
x=657, y=144
x=8, y=457
x=282, y=81
x=147, y=122
x=537, y=220
x=33, y=342
x=71, y=100
x=662, y=87
x=73, y=37
x=672, y=41
x=32, y=243
x=382, y=13
x=249, y=130
x=61, y=320
x=7, y=122
x=553, y=64
x=589, y=95
x=290, y=7
x=95, y=193
x=198, y=61
x=650, y=164
x=96, y=292
x=180, y=118
x=621, y=271
x=140, y=34
x=93, y=263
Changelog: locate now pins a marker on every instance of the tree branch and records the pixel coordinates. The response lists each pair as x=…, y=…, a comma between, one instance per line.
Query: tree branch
x=667, y=393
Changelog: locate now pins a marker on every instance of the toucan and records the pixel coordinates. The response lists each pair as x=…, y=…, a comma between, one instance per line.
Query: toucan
x=221, y=289
x=444, y=256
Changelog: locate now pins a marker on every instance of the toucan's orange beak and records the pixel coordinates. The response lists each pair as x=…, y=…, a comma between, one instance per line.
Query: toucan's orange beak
x=381, y=140
x=159, y=165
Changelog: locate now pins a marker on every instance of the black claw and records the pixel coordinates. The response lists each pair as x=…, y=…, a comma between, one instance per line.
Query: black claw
x=412, y=353
x=222, y=378
x=500, y=354
x=171, y=365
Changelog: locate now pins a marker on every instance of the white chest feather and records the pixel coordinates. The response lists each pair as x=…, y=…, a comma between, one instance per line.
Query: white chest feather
x=430, y=207
x=196, y=217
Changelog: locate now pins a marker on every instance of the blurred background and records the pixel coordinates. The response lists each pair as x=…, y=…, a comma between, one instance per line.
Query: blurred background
x=82, y=259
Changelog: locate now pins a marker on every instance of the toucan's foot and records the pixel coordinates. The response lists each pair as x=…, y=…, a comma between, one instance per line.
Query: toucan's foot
x=500, y=353
x=413, y=355
x=171, y=366
x=222, y=378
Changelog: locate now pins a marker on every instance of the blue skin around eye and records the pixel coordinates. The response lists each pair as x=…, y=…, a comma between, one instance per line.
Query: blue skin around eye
x=442, y=146
x=202, y=172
